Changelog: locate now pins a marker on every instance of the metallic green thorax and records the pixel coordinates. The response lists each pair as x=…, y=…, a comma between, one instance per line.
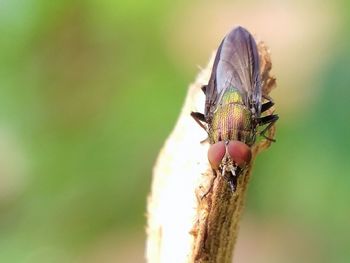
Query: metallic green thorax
x=232, y=120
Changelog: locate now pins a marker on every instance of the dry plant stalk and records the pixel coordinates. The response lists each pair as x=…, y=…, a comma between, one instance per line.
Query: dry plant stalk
x=182, y=226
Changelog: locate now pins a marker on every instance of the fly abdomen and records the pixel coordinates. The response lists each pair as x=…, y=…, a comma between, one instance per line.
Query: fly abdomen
x=232, y=120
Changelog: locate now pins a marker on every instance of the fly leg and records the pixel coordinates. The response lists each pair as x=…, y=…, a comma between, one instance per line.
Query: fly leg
x=269, y=120
x=267, y=105
x=204, y=88
x=199, y=118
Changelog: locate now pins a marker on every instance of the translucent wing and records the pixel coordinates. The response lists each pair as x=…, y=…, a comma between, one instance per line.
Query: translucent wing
x=236, y=64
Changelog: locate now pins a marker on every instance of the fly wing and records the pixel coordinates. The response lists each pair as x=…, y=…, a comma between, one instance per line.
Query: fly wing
x=236, y=64
x=211, y=93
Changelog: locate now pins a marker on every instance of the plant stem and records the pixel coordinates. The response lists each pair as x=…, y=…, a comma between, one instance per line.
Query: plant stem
x=183, y=226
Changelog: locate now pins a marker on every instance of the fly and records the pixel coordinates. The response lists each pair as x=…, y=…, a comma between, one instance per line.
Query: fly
x=233, y=106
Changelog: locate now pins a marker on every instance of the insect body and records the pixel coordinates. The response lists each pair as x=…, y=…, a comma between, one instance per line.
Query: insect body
x=233, y=106
x=231, y=120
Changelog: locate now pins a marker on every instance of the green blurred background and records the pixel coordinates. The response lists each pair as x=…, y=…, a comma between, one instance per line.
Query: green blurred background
x=89, y=90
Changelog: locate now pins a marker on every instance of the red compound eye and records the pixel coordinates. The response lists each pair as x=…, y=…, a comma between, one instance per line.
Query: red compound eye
x=216, y=153
x=239, y=152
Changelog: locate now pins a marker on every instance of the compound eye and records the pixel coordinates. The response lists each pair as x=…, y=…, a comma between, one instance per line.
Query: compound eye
x=216, y=153
x=240, y=153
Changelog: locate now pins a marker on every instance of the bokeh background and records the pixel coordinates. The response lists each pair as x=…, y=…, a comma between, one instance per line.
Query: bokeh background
x=89, y=90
